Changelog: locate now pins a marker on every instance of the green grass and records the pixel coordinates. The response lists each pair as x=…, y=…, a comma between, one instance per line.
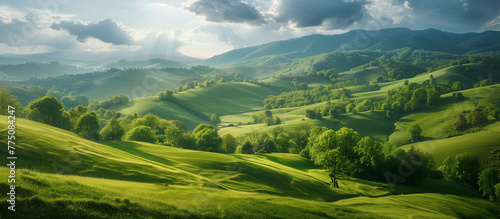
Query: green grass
x=225, y=98
x=56, y=196
x=368, y=75
x=63, y=175
x=374, y=124
x=136, y=83
x=164, y=109
x=480, y=143
x=436, y=125
x=222, y=99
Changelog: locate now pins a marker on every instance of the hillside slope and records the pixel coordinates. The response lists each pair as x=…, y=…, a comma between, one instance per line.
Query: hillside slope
x=63, y=175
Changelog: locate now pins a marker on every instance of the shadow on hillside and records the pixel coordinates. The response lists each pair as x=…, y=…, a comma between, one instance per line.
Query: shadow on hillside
x=131, y=148
x=302, y=165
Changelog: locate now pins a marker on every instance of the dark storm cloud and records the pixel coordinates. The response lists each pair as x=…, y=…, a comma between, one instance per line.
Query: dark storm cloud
x=457, y=15
x=227, y=11
x=332, y=14
x=107, y=31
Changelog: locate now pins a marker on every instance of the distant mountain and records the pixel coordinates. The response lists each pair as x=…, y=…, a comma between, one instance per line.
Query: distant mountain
x=25, y=71
x=386, y=40
x=90, y=56
x=8, y=60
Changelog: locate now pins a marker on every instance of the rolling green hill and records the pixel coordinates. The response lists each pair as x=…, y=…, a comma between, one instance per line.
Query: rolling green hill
x=137, y=83
x=63, y=175
x=24, y=96
x=222, y=99
x=25, y=71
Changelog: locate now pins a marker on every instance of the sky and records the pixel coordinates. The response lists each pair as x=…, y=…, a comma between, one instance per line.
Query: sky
x=204, y=28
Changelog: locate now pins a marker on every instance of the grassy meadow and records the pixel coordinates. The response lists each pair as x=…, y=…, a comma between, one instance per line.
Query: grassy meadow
x=63, y=175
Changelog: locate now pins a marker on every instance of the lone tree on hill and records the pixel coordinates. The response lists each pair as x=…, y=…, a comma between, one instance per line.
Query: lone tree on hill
x=415, y=132
x=215, y=119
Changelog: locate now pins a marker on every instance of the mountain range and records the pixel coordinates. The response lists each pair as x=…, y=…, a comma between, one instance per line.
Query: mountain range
x=385, y=40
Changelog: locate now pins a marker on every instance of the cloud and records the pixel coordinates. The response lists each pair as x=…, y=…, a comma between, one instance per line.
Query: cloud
x=225, y=34
x=226, y=11
x=451, y=15
x=331, y=14
x=160, y=45
x=107, y=31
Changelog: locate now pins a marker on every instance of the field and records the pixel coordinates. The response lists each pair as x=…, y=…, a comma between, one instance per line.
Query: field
x=73, y=176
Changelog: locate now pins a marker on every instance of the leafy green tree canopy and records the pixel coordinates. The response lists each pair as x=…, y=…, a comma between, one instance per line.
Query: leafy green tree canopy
x=88, y=126
x=141, y=133
x=113, y=130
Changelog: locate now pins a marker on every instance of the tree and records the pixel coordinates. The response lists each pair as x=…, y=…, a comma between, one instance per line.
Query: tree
x=215, y=119
x=76, y=112
x=415, y=132
x=389, y=114
x=350, y=107
x=282, y=142
x=113, y=130
x=433, y=97
x=371, y=157
x=365, y=105
x=246, y=148
x=201, y=127
x=423, y=164
x=324, y=152
x=187, y=141
x=229, y=143
x=463, y=167
x=48, y=110
x=380, y=79
x=173, y=135
x=88, y=126
x=166, y=95
x=460, y=122
x=277, y=121
x=7, y=99
x=311, y=114
x=141, y=133
x=457, y=86
x=478, y=118
x=458, y=96
x=497, y=192
x=488, y=178
x=207, y=138
x=268, y=113
x=150, y=120
x=495, y=112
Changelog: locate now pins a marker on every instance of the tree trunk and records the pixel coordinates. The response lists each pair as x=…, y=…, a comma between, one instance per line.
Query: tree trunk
x=335, y=184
